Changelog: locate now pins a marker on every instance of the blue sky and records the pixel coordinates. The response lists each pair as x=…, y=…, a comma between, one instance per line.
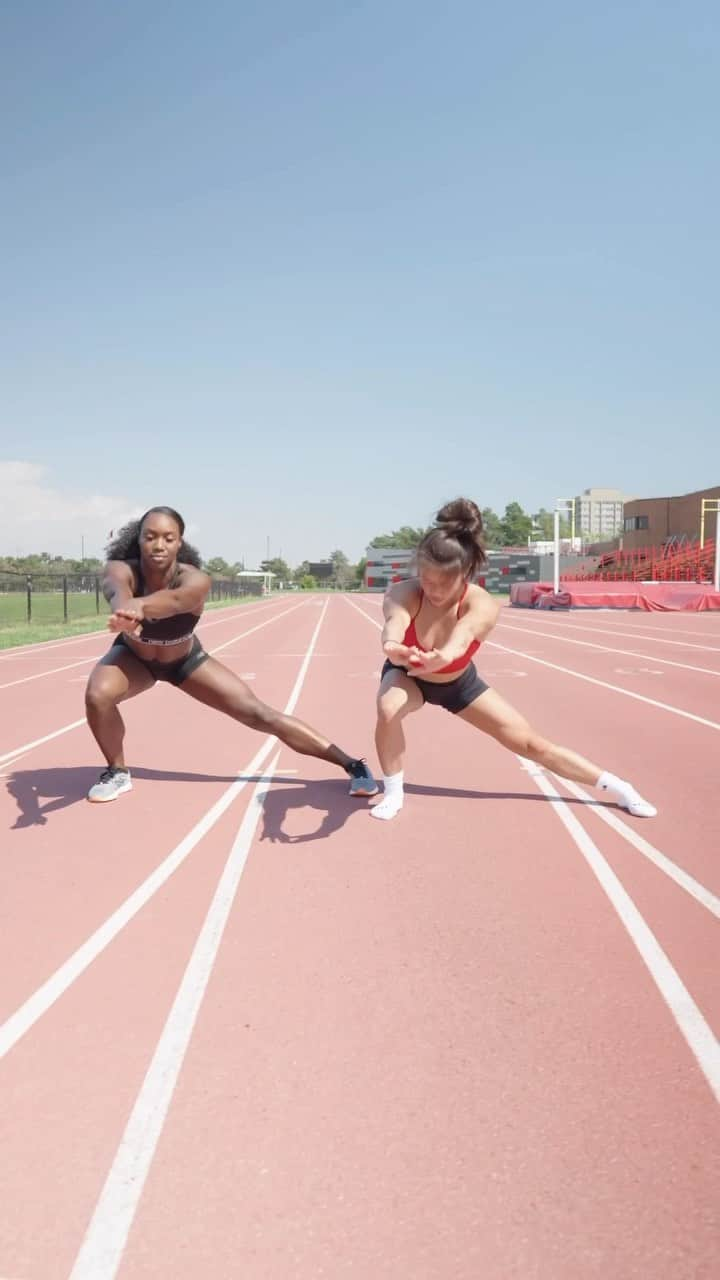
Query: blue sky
x=306, y=273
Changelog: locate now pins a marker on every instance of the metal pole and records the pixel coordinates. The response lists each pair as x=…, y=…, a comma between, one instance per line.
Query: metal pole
x=702, y=523
x=556, y=563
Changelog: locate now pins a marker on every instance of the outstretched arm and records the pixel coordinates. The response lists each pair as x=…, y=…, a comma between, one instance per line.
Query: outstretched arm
x=188, y=596
x=118, y=589
x=475, y=624
x=129, y=611
x=399, y=606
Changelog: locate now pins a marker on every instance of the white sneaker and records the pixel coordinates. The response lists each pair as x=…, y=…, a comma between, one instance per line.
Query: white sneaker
x=625, y=795
x=634, y=803
x=111, y=784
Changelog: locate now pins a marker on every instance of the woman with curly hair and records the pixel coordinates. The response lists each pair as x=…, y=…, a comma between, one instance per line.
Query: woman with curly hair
x=156, y=590
x=434, y=624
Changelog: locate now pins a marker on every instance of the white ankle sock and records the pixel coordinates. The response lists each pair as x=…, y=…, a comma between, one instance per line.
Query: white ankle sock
x=627, y=797
x=392, y=801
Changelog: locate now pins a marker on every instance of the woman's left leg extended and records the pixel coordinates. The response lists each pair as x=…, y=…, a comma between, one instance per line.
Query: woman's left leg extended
x=496, y=717
x=219, y=688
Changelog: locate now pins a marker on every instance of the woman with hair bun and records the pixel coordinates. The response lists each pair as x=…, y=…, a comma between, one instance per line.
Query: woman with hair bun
x=157, y=590
x=434, y=624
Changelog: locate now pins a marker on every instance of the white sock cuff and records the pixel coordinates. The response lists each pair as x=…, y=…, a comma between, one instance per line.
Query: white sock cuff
x=393, y=781
x=609, y=782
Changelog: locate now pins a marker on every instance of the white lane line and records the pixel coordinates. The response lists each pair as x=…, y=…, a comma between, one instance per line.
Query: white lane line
x=628, y=653
x=266, y=622
x=25, y=1017
x=630, y=635
x=42, y=646
x=664, y=706
x=363, y=614
x=229, y=613
x=38, y=742
x=690, y=1021
x=604, y=684
x=645, y=630
x=104, y=1243
x=40, y=675
x=682, y=878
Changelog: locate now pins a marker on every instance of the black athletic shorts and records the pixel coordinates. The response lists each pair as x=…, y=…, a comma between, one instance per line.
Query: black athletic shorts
x=173, y=672
x=453, y=695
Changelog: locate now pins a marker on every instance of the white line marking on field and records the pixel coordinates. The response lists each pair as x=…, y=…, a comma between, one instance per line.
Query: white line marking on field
x=690, y=1021
x=104, y=1243
x=606, y=648
x=45, y=996
x=36, y=648
x=40, y=675
x=660, y=860
x=363, y=614
x=604, y=684
x=579, y=675
x=630, y=635
x=635, y=671
x=38, y=742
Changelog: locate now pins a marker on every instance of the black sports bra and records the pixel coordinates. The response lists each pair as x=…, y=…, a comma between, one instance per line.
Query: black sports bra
x=172, y=630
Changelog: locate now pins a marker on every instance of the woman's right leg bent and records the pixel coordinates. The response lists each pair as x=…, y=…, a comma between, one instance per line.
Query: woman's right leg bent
x=119, y=675
x=398, y=696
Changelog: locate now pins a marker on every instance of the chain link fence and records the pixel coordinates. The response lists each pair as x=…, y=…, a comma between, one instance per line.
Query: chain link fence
x=73, y=597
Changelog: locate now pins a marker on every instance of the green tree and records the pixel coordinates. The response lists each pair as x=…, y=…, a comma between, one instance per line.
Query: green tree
x=544, y=527
x=301, y=572
x=279, y=568
x=342, y=570
x=406, y=538
x=516, y=525
x=307, y=582
x=492, y=524
x=218, y=567
x=359, y=575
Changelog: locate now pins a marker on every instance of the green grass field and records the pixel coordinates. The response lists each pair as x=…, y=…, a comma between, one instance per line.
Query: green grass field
x=47, y=616
x=47, y=606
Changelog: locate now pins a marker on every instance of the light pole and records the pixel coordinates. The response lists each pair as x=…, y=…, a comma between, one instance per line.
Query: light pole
x=561, y=504
x=711, y=504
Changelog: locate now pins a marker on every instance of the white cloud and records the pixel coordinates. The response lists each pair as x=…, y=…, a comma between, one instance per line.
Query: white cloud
x=35, y=516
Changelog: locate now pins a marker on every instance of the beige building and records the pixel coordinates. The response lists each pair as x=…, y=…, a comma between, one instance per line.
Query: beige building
x=599, y=514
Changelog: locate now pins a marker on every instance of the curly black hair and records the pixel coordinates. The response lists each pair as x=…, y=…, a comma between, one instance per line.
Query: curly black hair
x=125, y=545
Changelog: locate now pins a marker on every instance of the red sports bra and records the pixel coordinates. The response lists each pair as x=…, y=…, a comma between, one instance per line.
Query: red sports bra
x=457, y=664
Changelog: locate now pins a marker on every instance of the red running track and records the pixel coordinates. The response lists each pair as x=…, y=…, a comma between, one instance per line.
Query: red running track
x=248, y=1032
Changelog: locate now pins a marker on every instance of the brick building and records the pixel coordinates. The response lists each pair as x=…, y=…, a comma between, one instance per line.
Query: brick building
x=650, y=522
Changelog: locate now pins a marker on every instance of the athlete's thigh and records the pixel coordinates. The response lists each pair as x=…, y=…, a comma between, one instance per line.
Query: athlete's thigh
x=398, y=694
x=119, y=675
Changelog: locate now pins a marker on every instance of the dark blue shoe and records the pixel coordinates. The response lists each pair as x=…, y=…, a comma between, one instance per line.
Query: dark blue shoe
x=362, y=782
